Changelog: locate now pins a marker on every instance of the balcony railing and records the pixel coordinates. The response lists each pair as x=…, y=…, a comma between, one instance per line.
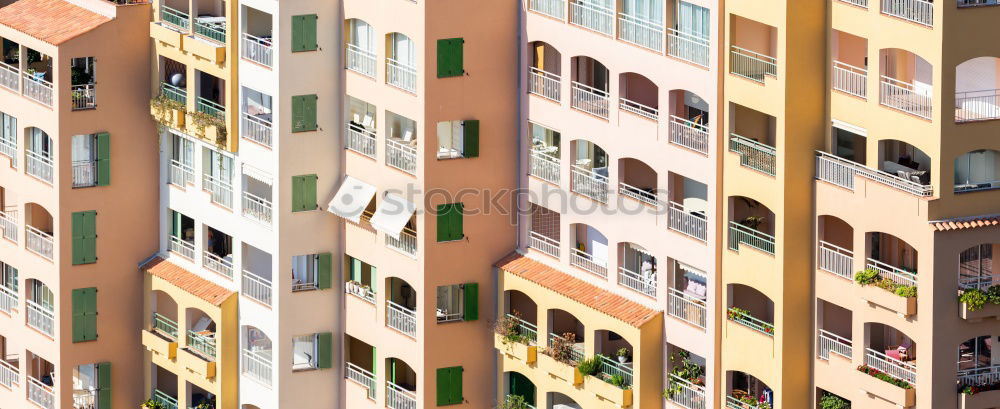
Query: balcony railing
x=989, y=375
x=256, y=287
x=214, y=31
x=841, y=172
x=361, y=61
x=689, y=395
x=977, y=3
x=688, y=47
x=202, y=343
x=641, y=32
x=752, y=65
x=401, y=318
x=222, y=192
x=84, y=173
x=360, y=290
x=168, y=402
x=749, y=321
x=181, y=174
x=174, y=93
x=753, y=154
x=217, y=264
x=850, y=79
x=361, y=140
x=836, y=260
x=734, y=403
x=544, y=244
x=361, y=376
x=590, y=100
x=575, y=352
x=905, y=97
x=525, y=328
x=551, y=8
x=257, y=365
x=977, y=105
x=8, y=300
x=689, y=134
x=10, y=77
x=828, y=342
x=258, y=49
x=40, y=317
x=859, y=3
x=38, y=242
x=891, y=366
x=38, y=89
x=257, y=208
x=164, y=325
x=207, y=106
x=686, y=307
x=401, y=156
x=544, y=83
x=181, y=247
x=38, y=165
x=84, y=96
x=398, y=398
x=896, y=274
x=10, y=376
x=8, y=148
x=41, y=394
x=175, y=18
x=612, y=368
x=643, y=283
x=257, y=129
x=400, y=75
x=740, y=234
x=917, y=11
x=691, y=224
x=544, y=166
x=642, y=195
x=406, y=243
x=593, y=17
x=637, y=108
x=8, y=224
x=590, y=184
x=587, y=262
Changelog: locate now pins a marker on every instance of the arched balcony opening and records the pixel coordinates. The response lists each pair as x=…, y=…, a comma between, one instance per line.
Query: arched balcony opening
x=400, y=384
x=257, y=354
x=565, y=337
x=546, y=153
x=401, y=306
x=560, y=401
x=200, y=334
x=686, y=384
x=401, y=62
x=164, y=385
x=977, y=89
x=615, y=357
x=519, y=389
x=753, y=138
x=747, y=392
x=590, y=249
x=360, y=47
x=754, y=49
x=906, y=82
x=689, y=114
x=589, y=173
x=199, y=397
x=40, y=305
x=836, y=246
x=850, y=64
x=977, y=365
x=545, y=71
x=39, y=154
x=360, y=365
x=750, y=223
x=164, y=319
x=637, y=269
x=688, y=213
x=834, y=331
x=41, y=377
x=975, y=267
x=38, y=230
x=590, y=86
x=544, y=230
x=751, y=308
x=639, y=95
x=688, y=294
x=520, y=317
x=891, y=264
x=906, y=162
x=890, y=351
x=637, y=181
x=977, y=170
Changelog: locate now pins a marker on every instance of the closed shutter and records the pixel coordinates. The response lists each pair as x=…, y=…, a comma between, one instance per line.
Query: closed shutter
x=449, y=57
x=471, y=293
x=84, y=240
x=103, y=159
x=449, y=386
x=304, y=193
x=470, y=138
x=304, y=33
x=104, y=385
x=324, y=350
x=84, y=301
x=449, y=222
x=374, y=279
x=304, y=113
x=324, y=273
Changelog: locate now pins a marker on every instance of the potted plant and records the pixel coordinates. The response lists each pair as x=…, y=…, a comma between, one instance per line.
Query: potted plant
x=622, y=355
x=152, y=404
x=513, y=402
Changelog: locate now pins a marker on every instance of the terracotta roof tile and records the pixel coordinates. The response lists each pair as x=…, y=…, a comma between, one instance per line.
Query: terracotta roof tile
x=52, y=21
x=578, y=290
x=966, y=222
x=187, y=281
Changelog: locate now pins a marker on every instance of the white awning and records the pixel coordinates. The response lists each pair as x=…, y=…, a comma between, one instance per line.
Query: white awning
x=392, y=214
x=351, y=199
x=257, y=174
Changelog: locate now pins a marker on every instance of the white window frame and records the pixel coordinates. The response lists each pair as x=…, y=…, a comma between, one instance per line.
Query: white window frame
x=450, y=294
x=313, y=362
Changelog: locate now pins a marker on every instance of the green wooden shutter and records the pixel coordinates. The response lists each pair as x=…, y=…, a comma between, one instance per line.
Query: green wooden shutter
x=355, y=269
x=103, y=159
x=84, y=240
x=456, y=385
x=374, y=279
x=457, y=228
x=449, y=222
x=304, y=193
x=471, y=293
x=304, y=113
x=324, y=277
x=175, y=223
x=449, y=57
x=521, y=386
x=104, y=385
x=324, y=350
x=304, y=33
x=84, y=301
x=470, y=138
x=449, y=386
x=374, y=360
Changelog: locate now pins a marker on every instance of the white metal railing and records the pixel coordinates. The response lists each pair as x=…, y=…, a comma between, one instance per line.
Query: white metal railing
x=612, y=368
x=850, y=79
x=400, y=156
x=977, y=105
x=753, y=154
x=859, y=3
x=841, y=172
x=740, y=234
x=401, y=75
x=590, y=100
x=896, y=274
x=641, y=32
x=749, y=321
x=687, y=308
x=10, y=376
x=688, y=47
x=217, y=264
x=38, y=242
x=836, y=260
x=84, y=96
x=8, y=224
x=401, y=318
x=544, y=83
x=361, y=140
x=976, y=3
x=257, y=129
x=828, y=342
x=905, y=97
x=256, y=366
x=734, y=403
x=37, y=89
x=989, y=375
x=591, y=16
x=10, y=77
x=8, y=300
x=587, y=262
x=182, y=247
x=406, y=243
x=689, y=395
x=551, y=8
x=221, y=192
x=256, y=287
x=8, y=148
x=40, y=317
x=84, y=173
x=41, y=394
x=917, y=11
x=891, y=366
x=680, y=220
x=637, y=108
x=258, y=49
x=689, y=134
x=361, y=61
x=546, y=245
x=752, y=65
x=38, y=165
x=525, y=328
x=544, y=166
x=257, y=208
x=590, y=184
x=636, y=193
x=398, y=398
x=181, y=174
x=361, y=376
x=638, y=282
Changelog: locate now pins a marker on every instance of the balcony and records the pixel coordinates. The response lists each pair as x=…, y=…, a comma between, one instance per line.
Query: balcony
x=689, y=134
x=401, y=156
x=256, y=364
x=396, y=397
x=361, y=376
x=39, y=165
x=744, y=318
x=406, y=243
x=752, y=65
x=257, y=128
x=220, y=265
x=850, y=79
x=589, y=183
x=256, y=287
x=552, y=8
x=10, y=374
x=544, y=84
x=587, y=262
x=41, y=394
x=361, y=61
x=258, y=49
x=401, y=319
x=841, y=172
x=38, y=242
x=8, y=225
x=544, y=166
x=688, y=223
x=642, y=283
x=827, y=342
x=592, y=16
x=688, y=47
x=641, y=32
x=38, y=89
x=362, y=140
x=905, y=96
x=753, y=154
x=257, y=208
x=687, y=394
x=401, y=75
x=740, y=234
x=221, y=191
x=687, y=307
x=163, y=398
x=591, y=100
x=182, y=247
x=836, y=260
x=917, y=11
x=40, y=317
x=8, y=148
x=891, y=366
x=8, y=300
x=10, y=76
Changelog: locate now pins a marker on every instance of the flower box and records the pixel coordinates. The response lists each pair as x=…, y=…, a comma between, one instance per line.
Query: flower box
x=559, y=370
x=619, y=397
x=873, y=386
x=516, y=350
x=905, y=306
x=159, y=345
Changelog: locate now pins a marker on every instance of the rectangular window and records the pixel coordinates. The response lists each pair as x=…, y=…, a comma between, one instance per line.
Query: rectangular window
x=458, y=139
x=304, y=113
x=361, y=280
x=449, y=222
x=84, y=226
x=8, y=138
x=181, y=161
x=459, y=302
x=304, y=193
x=449, y=386
x=304, y=33
x=217, y=166
x=304, y=352
x=311, y=272
x=91, y=158
x=450, y=57
x=8, y=277
x=84, y=302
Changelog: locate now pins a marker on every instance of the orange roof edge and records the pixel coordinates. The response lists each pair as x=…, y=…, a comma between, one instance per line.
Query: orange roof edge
x=52, y=21
x=187, y=281
x=966, y=222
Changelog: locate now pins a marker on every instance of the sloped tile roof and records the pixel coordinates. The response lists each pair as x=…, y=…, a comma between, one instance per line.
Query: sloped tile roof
x=52, y=21
x=187, y=281
x=966, y=222
x=592, y=296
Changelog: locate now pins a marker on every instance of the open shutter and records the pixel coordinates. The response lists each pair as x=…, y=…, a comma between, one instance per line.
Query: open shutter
x=304, y=33
x=84, y=240
x=449, y=57
x=84, y=301
x=374, y=279
x=103, y=159
x=324, y=350
x=297, y=193
x=374, y=360
x=104, y=385
x=324, y=270
x=175, y=223
x=443, y=387
x=457, y=228
x=456, y=385
x=443, y=223
x=304, y=113
x=355, y=270
x=471, y=293
x=470, y=138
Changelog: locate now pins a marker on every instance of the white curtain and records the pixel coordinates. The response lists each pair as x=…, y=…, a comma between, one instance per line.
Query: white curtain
x=304, y=269
x=647, y=10
x=362, y=35
x=693, y=20
x=218, y=165
x=83, y=148
x=9, y=129
x=976, y=167
x=403, y=50
x=39, y=143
